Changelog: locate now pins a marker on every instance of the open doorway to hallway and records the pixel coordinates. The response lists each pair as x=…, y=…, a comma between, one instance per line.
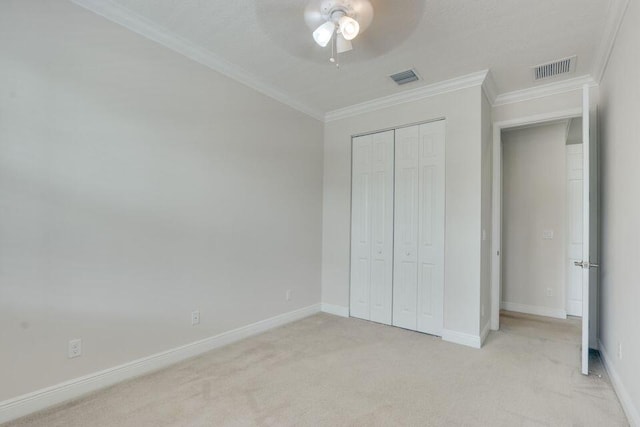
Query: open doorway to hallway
x=542, y=218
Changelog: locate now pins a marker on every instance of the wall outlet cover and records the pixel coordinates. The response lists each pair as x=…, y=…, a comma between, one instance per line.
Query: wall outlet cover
x=75, y=348
x=195, y=318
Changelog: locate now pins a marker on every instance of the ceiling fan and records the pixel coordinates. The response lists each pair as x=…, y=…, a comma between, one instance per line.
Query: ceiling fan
x=338, y=22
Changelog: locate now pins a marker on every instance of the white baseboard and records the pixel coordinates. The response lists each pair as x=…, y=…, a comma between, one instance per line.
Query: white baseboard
x=632, y=412
x=46, y=397
x=337, y=310
x=461, y=338
x=485, y=332
x=534, y=309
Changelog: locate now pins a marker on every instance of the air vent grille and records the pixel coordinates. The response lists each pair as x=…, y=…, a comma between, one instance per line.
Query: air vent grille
x=555, y=68
x=404, y=77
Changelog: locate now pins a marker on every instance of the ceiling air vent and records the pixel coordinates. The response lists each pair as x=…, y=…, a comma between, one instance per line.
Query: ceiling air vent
x=404, y=77
x=555, y=68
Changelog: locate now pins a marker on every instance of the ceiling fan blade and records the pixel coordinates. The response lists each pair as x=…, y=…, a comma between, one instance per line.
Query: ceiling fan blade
x=343, y=45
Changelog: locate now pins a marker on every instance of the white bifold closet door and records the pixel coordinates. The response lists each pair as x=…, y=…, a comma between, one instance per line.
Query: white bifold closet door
x=418, y=282
x=372, y=227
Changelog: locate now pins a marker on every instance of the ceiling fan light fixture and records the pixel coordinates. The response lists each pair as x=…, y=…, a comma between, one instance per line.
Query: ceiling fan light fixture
x=322, y=35
x=349, y=27
x=343, y=45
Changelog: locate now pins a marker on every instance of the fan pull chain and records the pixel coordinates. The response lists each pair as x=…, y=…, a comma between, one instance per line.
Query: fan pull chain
x=334, y=50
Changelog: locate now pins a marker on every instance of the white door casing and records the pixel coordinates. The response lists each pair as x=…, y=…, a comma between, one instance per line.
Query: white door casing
x=372, y=227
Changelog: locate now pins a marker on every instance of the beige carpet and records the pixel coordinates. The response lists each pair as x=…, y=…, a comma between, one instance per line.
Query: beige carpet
x=331, y=371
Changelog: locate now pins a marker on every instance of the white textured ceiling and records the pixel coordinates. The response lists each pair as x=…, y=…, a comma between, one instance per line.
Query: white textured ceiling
x=450, y=38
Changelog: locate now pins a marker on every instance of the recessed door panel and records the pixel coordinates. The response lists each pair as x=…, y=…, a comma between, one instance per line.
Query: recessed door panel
x=425, y=294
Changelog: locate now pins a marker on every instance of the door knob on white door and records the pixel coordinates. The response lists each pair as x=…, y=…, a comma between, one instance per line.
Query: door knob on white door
x=585, y=264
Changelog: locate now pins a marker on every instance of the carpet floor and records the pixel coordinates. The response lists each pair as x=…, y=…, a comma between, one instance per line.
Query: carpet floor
x=331, y=371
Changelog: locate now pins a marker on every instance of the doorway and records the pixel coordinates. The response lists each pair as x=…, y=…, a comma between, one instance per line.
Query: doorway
x=587, y=266
x=542, y=218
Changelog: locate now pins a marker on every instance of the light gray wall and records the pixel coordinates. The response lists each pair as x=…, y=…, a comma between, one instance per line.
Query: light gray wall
x=574, y=135
x=135, y=187
x=620, y=208
x=485, y=246
x=463, y=199
x=533, y=201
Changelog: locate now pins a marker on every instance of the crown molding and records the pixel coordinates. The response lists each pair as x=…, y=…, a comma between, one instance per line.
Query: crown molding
x=470, y=80
x=544, y=90
x=489, y=87
x=146, y=28
x=615, y=16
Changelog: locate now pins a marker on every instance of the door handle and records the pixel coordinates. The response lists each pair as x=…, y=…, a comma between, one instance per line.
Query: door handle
x=585, y=264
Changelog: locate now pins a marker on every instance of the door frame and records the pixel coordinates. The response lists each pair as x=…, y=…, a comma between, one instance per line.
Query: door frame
x=496, y=203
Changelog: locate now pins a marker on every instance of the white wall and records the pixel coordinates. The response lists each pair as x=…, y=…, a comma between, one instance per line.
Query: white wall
x=462, y=111
x=135, y=187
x=620, y=210
x=533, y=200
x=487, y=177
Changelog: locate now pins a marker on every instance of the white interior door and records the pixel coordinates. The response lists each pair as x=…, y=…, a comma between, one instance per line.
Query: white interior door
x=405, y=272
x=372, y=227
x=589, y=220
x=418, y=284
x=574, y=228
x=431, y=228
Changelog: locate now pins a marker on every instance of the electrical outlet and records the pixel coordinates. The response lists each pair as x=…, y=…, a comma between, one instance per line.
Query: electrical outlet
x=620, y=351
x=549, y=292
x=75, y=348
x=195, y=318
x=547, y=234
x=287, y=295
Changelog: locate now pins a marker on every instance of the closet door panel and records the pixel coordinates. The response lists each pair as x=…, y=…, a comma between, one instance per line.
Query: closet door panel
x=382, y=227
x=430, y=287
x=361, y=227
x=405, y=278
x=372, y=227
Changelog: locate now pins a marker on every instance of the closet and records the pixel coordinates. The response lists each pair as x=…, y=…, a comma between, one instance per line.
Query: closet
x=397, y=227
